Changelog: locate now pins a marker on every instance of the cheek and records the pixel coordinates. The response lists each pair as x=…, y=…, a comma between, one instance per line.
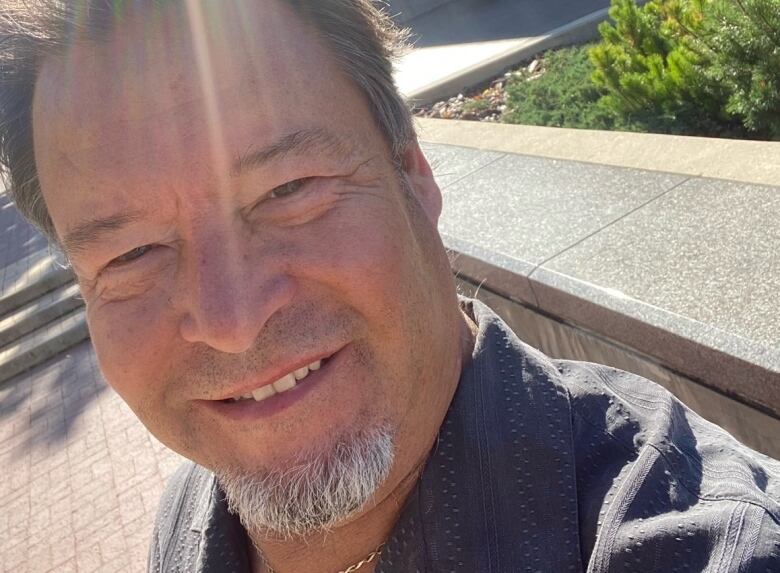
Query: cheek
x=363, y=252
x=370, y=261
x=131, y=339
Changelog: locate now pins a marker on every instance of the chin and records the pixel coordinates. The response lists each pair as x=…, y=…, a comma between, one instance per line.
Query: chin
x=314, y=490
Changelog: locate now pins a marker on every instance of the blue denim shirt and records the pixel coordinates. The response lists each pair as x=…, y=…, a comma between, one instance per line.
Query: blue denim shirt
x=546, y=466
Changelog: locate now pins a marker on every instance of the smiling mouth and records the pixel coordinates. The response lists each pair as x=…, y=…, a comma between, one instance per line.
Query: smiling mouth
x=284, y=384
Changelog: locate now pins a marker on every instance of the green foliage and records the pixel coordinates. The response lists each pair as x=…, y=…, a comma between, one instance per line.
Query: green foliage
x=694, y=67
x=562, y=96
x=741, y=39
x=652, y=68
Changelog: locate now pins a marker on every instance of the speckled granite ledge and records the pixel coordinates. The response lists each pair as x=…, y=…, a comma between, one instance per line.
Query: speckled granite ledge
x=682, y=269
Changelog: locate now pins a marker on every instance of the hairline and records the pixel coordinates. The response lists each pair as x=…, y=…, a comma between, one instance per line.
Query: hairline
x=371, y=74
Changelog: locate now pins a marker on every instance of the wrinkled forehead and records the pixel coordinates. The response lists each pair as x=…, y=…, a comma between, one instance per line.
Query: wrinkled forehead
x=192, y=59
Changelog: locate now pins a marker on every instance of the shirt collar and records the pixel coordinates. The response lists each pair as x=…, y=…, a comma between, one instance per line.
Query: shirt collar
x=499, y=490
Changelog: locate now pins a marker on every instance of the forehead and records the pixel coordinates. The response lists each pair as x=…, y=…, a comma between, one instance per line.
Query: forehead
x=172, y=85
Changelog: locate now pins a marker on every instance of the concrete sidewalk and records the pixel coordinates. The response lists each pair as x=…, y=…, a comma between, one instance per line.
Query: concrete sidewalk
x=81, y=476
x=465, y=42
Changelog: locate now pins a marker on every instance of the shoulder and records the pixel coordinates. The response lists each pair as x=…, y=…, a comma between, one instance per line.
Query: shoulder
x=659, y=487
x=180, y=515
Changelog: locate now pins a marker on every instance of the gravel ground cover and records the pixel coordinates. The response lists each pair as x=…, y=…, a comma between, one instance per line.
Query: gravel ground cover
x=485, y=102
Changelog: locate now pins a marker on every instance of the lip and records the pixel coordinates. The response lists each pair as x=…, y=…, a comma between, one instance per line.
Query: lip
x=249, y=410
x=276, y=374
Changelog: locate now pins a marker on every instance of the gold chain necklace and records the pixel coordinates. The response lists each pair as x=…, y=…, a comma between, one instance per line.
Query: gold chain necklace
x=351, y=569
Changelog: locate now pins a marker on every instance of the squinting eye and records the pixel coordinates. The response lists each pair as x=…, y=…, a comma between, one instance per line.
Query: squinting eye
x=131, y=256
x=288, y=188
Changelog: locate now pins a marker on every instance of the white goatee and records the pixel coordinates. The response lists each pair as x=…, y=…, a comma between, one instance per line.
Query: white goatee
x=316, y=491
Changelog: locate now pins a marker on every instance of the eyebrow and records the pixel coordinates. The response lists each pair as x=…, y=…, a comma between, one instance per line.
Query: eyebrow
x=297, y=143
x=91, y=231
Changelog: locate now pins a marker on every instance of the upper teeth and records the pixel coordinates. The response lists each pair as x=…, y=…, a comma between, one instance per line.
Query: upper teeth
x=286, y=382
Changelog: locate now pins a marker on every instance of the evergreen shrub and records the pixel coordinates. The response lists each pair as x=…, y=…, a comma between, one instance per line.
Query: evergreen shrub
x=652, y=71
x=691, y=67
x=741, y=39
x=701, y=67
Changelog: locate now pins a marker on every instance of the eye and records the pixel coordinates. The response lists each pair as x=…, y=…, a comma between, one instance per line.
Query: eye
x=289, y=188
x=131, y=256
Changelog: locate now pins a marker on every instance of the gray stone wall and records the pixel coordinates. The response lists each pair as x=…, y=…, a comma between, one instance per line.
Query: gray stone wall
x=560, y=340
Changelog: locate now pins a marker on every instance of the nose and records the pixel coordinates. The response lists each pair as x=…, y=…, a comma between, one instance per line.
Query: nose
x=229, y=295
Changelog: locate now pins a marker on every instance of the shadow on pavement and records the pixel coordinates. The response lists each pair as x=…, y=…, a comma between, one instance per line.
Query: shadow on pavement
x=38, y=407
x=468, y=21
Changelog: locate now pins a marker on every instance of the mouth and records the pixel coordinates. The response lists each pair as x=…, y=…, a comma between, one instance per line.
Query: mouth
x=292, y=385
x=289, y=381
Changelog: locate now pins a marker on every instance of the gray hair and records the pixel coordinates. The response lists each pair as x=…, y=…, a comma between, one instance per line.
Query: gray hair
x=317, y=491
x=362, y=37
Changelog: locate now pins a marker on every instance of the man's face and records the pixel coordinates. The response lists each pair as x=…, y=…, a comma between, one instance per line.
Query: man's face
x=233, y=215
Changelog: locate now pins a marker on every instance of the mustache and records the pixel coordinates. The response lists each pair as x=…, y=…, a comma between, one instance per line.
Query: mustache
x=287, y=336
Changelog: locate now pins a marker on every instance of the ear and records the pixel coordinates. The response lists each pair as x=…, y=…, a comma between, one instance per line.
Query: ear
x=423, y=185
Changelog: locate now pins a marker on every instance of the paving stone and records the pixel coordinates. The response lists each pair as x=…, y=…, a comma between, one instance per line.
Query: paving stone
x=65, y=512
x=697, y=273
x=531, y=209
x=68, y=566
x=88, y=559
x=39, y=556
x=15, y=558
x=707, y=251
x=451, y=163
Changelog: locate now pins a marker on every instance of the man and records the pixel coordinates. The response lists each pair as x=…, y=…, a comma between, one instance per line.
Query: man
x=253, y=226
